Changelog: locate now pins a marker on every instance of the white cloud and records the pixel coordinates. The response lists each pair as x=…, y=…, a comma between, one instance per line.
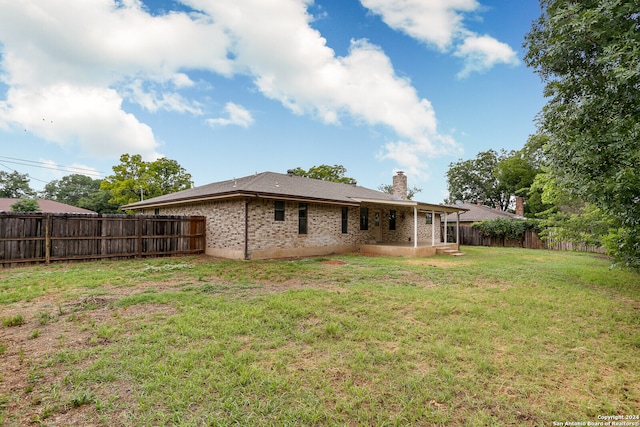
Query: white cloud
x=411, y=155
x=483, y=52
x=70, y=115
x=440, y=23
x=74, y=62
x=181, y=80
x=153, y=97
x=374, y=93
x=238, y=115
x=308, y=78
x=435, y=22
x=71, y=56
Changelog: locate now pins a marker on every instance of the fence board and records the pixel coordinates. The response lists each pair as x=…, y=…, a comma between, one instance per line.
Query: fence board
x=44, y=237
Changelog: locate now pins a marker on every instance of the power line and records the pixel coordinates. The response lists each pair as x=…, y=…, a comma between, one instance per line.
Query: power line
x=52, y=166
x=12, y=169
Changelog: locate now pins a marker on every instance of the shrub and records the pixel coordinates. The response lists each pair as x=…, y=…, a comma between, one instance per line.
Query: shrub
x=25, y=205
x=510, y=228
x=588, y=227
x=623, y=244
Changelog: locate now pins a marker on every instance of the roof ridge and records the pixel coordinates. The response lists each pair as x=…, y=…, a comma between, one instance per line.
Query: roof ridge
x=250, y=180
x=247, y=180
x=306, y=178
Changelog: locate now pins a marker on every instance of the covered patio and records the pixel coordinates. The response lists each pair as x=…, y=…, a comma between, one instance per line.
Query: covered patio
x=422, y=249
x=439, y=234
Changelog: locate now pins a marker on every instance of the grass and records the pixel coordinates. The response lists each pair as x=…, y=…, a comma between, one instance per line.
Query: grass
x=498, y=337
x=16, y=320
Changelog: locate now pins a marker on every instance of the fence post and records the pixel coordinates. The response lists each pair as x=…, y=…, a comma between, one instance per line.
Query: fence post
x=47, y=238
x=139, y=224
x=193, y=229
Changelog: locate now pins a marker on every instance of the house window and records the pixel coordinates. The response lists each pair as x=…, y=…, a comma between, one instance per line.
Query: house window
x=156, y=211
x=345, y=219
x=392, y=220
x=302, y=218
x=429, y=217
x=364, y=218
x=278, y=207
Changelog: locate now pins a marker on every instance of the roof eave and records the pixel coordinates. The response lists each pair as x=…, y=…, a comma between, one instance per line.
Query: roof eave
x=354, y=201
x=194, y=199
x=274, y=196
x=412, y=203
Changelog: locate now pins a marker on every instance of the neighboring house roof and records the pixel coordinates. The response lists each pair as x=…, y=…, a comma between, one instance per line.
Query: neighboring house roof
x=477, y=213
x=282, y=186
x=47, y=206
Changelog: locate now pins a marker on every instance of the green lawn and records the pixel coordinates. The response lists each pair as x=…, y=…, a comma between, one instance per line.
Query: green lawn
x=497, y=337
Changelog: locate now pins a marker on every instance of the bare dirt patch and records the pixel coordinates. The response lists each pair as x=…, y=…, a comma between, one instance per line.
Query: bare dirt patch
x=332, y=262
x=438, y=262
x=32, y=362
x=33, y=359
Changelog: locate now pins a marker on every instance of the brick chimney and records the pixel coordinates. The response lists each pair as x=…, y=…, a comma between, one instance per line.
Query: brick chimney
x=400, y=185
x=519, y=205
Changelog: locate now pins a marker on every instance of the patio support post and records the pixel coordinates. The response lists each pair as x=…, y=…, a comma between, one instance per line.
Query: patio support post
x=458, y=229
x=445, y=228
x=415, y=227
x=433, y=228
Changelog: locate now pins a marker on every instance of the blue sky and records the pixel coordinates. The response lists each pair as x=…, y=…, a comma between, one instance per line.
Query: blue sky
x=232, y=87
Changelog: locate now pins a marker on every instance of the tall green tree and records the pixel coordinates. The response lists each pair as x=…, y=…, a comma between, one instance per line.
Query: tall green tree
x=335, y=173
x=25, y=204
x=134, y=179
x=81, y=191
x=99, y=202
x=71, y=188
x=476, y=179
x=411, y=191
x=518, y=171
x=15, y=185
x=496, y=178
x=587, y=54
x=166, y=176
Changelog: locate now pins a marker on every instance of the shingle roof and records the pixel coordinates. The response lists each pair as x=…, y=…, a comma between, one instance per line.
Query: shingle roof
x=477, y=213
x=49, y=206
x=271, y=184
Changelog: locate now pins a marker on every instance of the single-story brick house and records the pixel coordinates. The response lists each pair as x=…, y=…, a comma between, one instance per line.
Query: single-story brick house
x=479, y=212
x=272, y=215
x=46, y=206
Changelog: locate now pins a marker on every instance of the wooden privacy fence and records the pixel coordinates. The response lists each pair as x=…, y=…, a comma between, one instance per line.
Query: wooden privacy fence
x=474, y=237
x=46, y=237
x=559, y=245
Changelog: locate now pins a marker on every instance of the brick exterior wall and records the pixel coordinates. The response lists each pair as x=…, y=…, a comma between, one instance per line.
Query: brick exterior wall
x=225, y=226
x=324, y=226
x=404, y=226
x=225, y=222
